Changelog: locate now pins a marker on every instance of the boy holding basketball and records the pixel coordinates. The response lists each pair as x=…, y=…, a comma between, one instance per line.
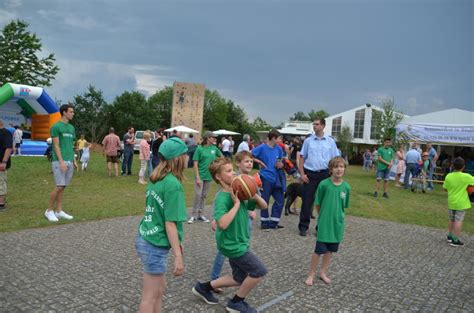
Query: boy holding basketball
x=232, y=237
x=244, y=162
x=332, y=197
x=456, y=184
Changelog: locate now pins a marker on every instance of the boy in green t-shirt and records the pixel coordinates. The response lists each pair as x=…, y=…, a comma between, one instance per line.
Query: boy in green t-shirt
x=232, y=237
x=161, y=228
x=385, y=157
x=332, y=197
x=456, y=184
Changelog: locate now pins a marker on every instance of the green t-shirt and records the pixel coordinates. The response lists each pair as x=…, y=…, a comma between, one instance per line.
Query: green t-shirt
x=456, y=184
x=333, y=199
x=233, y=242
x=204, y=155
x=67, y=135
x=165, y=202
x=387, y=154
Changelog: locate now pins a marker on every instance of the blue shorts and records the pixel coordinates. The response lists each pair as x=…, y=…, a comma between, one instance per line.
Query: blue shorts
x=324, y=247
x=383, y=174
x=154, y=259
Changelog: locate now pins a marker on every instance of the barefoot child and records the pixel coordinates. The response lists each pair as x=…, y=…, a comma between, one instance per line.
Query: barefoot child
x=232, y=237
x=161, y=229
x=244, y=162
x=332, y=197
x=456, y=184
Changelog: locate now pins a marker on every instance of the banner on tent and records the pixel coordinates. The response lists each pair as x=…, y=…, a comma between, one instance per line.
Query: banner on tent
x=440, y=134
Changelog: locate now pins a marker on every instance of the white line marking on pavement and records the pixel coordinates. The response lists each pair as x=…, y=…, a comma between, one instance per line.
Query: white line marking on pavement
x=274, y=301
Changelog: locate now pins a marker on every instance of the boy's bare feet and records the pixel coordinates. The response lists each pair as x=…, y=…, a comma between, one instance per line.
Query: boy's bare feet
x=325, y=279
x=309, y=281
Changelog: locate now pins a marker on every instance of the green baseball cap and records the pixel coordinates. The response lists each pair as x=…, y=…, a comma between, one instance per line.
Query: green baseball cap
x=172, y=148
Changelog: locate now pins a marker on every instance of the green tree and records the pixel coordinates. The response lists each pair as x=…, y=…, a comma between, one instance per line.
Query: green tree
x=300, y=116
x=19, y=61
x=260, y=124
x=313, y=115
x=387, y=121
x=132, y=109
x=91, y=116
x=162, y=102
x=216, y=111
x=344, y=141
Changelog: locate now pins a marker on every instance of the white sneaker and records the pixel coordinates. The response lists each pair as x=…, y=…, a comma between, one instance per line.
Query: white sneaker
x=63, y=215
x=191, y=220
x=50, y=216
x=202, y=218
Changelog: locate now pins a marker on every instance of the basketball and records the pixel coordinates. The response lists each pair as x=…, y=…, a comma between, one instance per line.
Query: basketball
x=245, y=186
x=470, y=190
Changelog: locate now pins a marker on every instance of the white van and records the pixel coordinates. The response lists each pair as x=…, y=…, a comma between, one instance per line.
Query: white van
x=139, y=137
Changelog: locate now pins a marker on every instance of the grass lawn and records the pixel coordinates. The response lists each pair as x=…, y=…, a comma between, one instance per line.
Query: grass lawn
x=93, y=195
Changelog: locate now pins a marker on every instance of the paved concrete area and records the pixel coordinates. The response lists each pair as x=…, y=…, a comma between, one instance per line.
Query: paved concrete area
x=382, y=266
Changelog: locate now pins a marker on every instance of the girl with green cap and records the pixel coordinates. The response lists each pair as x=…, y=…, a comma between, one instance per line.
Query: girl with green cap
x=161, y=228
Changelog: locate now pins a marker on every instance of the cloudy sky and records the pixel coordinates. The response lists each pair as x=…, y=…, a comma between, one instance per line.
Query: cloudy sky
x=273, y=58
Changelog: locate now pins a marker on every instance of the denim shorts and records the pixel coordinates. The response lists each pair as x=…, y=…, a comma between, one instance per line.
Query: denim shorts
x=383, y=174
x=456, y=215
x=154, y=259
x=324, y=247
x=247, y=265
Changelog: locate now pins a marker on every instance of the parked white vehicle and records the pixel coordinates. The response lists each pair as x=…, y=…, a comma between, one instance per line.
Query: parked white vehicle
x=138, y=138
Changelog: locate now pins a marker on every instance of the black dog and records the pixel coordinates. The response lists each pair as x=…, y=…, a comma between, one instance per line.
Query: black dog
x=292, y=192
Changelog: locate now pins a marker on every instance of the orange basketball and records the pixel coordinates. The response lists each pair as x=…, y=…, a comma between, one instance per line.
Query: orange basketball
x=245, y=186
x=470, y=190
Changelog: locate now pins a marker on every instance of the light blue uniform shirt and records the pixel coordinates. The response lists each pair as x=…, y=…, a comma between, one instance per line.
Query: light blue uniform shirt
x=413, y=156
x=317, y=152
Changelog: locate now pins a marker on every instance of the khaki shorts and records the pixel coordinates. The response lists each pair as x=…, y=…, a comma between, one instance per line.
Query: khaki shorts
x=456, y=215
x=3, y=183
x=112, y=158
x=62, y=178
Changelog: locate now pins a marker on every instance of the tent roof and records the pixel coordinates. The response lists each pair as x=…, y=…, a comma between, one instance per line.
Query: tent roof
x=182, y=129
x=445, y=117
x=225, y=132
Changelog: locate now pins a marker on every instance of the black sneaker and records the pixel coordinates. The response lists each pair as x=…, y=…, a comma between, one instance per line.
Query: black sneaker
x=303, y=233
x=376, y=194
x=240, y=306
x=457, y=243
x=207, y=296
x=449, y=238
x=278, y=227
x=385, y=195
x=3, y=207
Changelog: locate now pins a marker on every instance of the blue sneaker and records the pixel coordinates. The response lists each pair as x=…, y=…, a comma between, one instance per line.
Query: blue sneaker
x=207, y=296
x=240, y=306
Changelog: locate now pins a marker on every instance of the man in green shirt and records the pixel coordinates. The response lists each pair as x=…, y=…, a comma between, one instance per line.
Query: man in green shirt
x=202, y=158
x=63, y=135
x=384, y=164
x=456, y=184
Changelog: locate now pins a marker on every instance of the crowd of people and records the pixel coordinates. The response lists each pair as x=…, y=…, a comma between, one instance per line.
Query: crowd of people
x=317, y=161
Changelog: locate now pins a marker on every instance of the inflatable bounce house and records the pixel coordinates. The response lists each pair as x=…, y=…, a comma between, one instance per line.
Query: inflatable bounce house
x=37, y=110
